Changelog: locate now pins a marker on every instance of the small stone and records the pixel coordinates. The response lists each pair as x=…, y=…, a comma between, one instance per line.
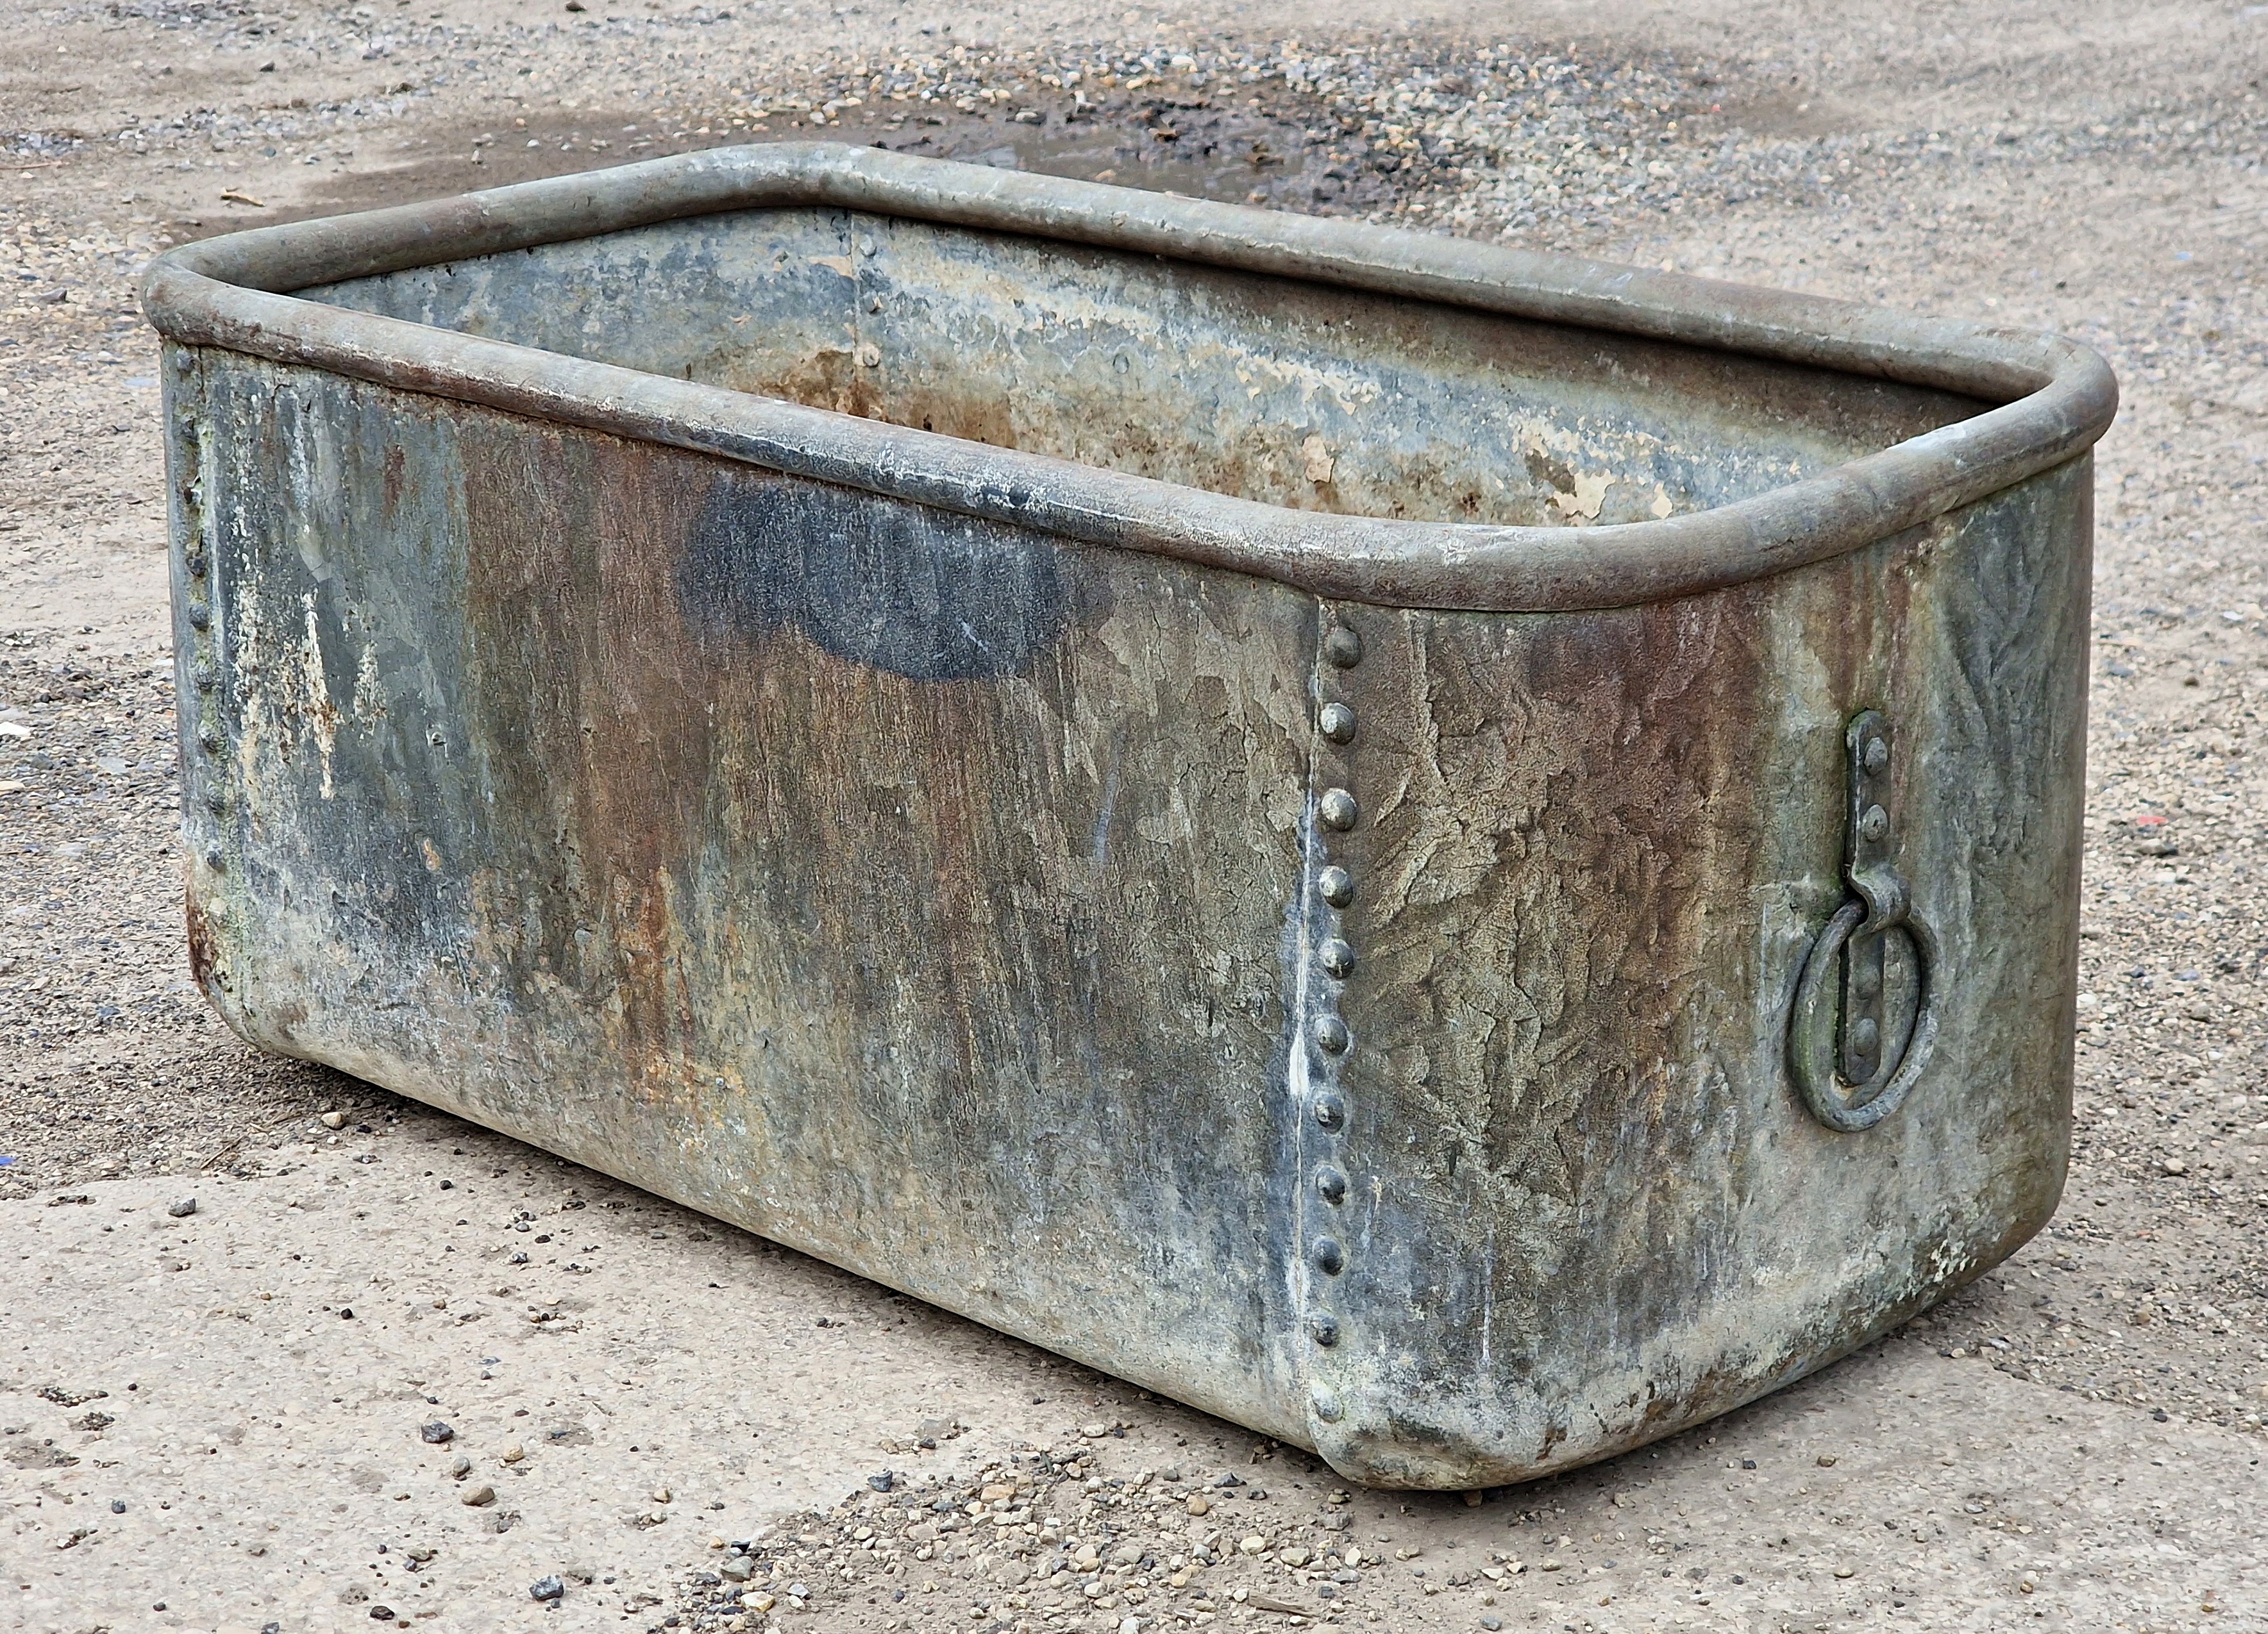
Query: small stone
x=333, y=1120
x=1253, y=1545
x=1846, y=1572
x=549, y=1587
x=884, y=1481
x=1551, y=1565
x=1294, y=1556
x=436, y=1434
x=117, y=1505
x=477, y=1497
x=736, y=1570
x=1198, y=1505
x=759, y=1603
x=1095, y=1433
x=381, y=1614
x=461, y=1466
x=1827, y=1461
x=182, y=1208
x=513, y=1452
x=662, y=1495
x=2174, y=1166
x=935, y=1429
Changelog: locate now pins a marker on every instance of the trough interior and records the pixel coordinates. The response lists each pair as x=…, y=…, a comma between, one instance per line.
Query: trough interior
x=1291, y=392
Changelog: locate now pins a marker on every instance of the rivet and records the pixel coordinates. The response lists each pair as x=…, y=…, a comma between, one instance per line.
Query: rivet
x=1330, y=1184
x=1323, y=1328
x=1331, y=1036
x=209, y=739
x=200, y=615
x=1875, y=823
x=1337, y=886
x=1865, y=1034
x=1331, y=1111
x=217, y=801
x=216, y=859
x=1329, y=1258
x=1866, y=981
x=1338, y=809
x=193, y=557
x=1337, y=723
x=1327, y=1405
x=1878, y=753
x=1336, y=957
x=202, y=675
x=1343, y=647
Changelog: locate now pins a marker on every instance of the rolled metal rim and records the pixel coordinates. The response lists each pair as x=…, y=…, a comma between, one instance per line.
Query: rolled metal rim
x=2054, y=396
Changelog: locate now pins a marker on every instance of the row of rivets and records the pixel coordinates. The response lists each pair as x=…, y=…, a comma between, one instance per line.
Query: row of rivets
x=1338, y=812
x=204, y=675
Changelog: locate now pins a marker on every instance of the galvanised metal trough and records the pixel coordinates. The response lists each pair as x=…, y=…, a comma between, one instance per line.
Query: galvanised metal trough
x=1462, y=857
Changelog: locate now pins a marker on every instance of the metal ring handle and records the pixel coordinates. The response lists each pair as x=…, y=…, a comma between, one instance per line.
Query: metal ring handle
x=1844, y=1107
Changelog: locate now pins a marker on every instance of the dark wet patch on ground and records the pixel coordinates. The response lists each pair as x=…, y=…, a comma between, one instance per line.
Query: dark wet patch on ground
x=1194, y=148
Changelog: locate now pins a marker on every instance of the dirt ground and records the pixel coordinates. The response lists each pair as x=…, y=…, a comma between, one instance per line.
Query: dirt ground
x=685, y=1426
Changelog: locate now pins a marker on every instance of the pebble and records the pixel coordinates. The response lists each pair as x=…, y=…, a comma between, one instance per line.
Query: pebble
x=461, y=1467
x=437, y=1433
x=549, y=1587
x=333, y=1120
x=477, y=1497
x=513, y=1452
x=182, y=1208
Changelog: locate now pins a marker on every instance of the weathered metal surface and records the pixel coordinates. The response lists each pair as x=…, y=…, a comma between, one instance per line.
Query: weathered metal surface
x=1165, y=884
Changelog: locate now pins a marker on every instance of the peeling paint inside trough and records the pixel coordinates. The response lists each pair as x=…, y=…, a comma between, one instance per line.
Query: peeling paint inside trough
x=1462, y=858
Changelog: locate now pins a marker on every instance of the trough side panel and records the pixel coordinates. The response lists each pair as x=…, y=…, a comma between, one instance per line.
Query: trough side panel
x=917, y=891
x=1574, y=1200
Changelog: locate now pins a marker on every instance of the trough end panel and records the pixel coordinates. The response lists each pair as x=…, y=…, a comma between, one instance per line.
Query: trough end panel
x=1567, y=1198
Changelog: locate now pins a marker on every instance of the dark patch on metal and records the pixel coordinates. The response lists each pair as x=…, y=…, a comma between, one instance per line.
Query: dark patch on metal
x=920, y=593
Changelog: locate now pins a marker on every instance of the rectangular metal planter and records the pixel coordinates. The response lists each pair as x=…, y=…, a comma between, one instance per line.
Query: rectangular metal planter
x=1462, y=857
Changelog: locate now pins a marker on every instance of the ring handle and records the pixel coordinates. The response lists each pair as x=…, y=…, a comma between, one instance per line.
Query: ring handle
x=1812, y=1046
x=1850, y=1075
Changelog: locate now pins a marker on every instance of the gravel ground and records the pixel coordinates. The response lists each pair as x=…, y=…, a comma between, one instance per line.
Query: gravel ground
x=2094, y=170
